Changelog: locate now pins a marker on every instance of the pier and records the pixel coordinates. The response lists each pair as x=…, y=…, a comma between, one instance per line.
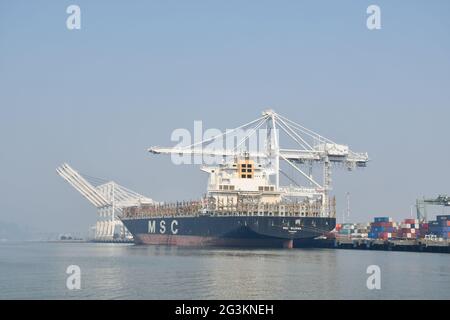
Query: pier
x=433, y=246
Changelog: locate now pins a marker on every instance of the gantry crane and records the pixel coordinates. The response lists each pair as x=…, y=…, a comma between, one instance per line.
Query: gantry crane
x=109, y=198
x=312, y=148
x=422, y=204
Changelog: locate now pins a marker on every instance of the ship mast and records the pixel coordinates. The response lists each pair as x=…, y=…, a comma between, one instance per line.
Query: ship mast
x=310, y=148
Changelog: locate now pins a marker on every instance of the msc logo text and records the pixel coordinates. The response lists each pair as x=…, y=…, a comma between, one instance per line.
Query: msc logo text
x=163, y=227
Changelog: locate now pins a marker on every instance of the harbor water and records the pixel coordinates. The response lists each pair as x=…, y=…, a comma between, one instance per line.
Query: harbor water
x=33, y=270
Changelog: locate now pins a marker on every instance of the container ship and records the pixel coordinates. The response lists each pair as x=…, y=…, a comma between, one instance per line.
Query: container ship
x=245, y=205
x=240, y=210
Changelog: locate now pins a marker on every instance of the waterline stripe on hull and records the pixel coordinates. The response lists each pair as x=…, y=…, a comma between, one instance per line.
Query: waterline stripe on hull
x=201, y=241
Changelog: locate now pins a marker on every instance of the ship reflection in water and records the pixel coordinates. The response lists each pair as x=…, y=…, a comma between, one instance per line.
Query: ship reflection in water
x=38, y=271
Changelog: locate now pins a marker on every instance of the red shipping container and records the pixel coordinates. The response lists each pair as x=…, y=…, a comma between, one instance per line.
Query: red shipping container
x=382, y=224
x=386, y=235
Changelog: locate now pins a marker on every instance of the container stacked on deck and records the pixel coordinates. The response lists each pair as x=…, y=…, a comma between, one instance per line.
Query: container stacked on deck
x=409, y=229
x=383, y=228
x=440, y=227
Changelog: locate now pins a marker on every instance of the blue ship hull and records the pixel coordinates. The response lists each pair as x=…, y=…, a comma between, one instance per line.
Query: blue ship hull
x=235, y=231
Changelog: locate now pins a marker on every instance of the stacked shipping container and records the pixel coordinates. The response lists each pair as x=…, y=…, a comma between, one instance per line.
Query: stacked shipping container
x=362, y=230
x=424, y=230
x=346, y=229
x=409, y=229
x=440, y=227
x=352, y=230
x=383, y=228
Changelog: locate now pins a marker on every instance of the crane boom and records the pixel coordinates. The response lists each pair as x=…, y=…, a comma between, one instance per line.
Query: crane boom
x=441, y=200
x=109, y=198
x=421, y=205
x=315, y=150
x=81, y=185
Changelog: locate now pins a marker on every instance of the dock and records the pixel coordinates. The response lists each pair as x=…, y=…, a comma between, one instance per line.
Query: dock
x=422, y=245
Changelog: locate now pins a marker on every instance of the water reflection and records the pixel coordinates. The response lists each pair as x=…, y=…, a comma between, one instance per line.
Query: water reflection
x=37, y=270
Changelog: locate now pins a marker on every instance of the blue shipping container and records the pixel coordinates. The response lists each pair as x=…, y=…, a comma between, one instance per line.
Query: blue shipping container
x=382, y=229
x=382, y=219
x=439, y=229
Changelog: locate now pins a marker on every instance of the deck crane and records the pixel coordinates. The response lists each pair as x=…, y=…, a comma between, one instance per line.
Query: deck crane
x=422, y=204
x=311, y=148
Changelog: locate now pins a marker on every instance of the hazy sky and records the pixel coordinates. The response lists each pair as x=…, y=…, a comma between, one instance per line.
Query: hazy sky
x=98, y=97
